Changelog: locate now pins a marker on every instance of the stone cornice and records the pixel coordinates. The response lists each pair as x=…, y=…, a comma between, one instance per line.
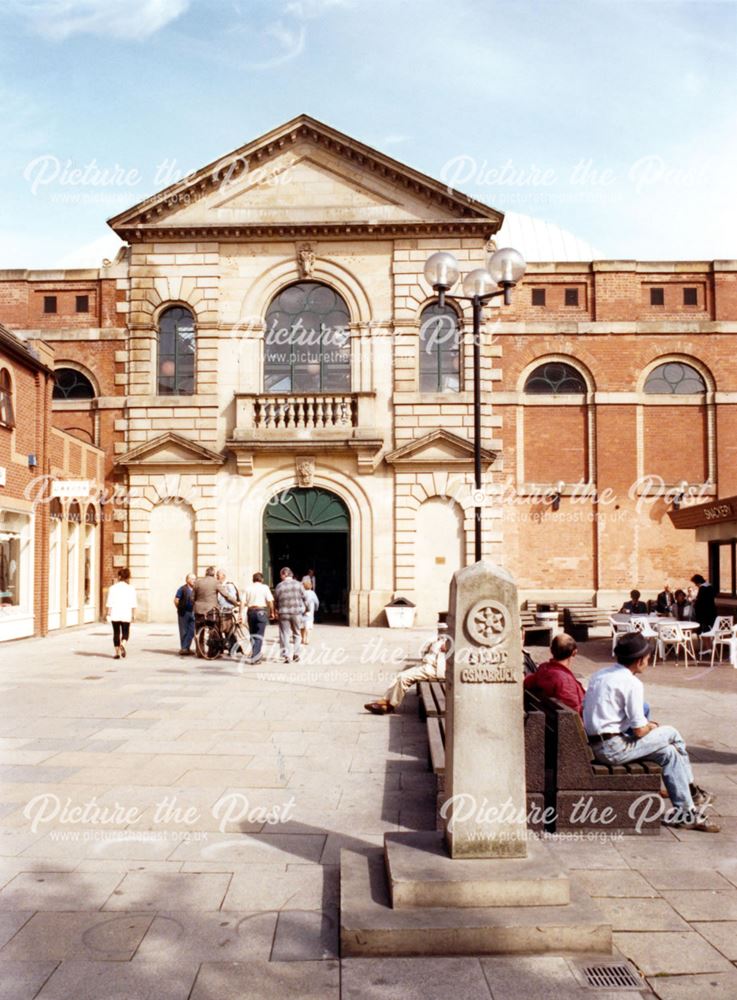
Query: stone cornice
x=244, y=232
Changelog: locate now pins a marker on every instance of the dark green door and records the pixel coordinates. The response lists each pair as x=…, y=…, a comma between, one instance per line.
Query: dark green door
x=309, y=528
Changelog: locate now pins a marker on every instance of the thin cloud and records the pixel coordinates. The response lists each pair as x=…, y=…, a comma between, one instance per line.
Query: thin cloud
x=132, y=20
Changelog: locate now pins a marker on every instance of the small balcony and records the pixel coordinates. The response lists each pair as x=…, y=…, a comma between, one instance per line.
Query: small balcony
x=306, y=423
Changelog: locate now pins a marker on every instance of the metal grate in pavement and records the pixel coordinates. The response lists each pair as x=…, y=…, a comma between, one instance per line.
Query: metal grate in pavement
x=612, y=977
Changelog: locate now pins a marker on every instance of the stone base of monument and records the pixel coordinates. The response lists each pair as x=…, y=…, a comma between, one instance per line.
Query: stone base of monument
x=412, y=899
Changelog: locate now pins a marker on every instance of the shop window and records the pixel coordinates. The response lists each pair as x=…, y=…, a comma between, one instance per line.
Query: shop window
x=723, y=567
x=71, y=384
x=176, y=352
x=440, y=354
x=307, y=346
x=7, y=413
x=11, y=565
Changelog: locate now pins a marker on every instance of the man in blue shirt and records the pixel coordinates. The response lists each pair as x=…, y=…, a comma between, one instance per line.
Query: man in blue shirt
x=184, y=603
x=619, y=732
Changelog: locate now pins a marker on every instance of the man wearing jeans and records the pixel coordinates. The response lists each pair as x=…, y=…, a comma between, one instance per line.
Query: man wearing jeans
x=619, y=733
x=290, y=607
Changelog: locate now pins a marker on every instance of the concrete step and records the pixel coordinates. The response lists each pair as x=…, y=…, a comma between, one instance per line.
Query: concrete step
x=421, y=873
x=370, y=927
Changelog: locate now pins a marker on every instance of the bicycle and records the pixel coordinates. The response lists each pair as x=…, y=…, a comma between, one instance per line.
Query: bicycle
x=220, y=630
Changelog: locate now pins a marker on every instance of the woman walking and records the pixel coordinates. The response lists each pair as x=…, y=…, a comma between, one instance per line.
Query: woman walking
x=121, y=603
x=312, y=602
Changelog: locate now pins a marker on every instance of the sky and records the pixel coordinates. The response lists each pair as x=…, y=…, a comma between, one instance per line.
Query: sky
x=613, y=119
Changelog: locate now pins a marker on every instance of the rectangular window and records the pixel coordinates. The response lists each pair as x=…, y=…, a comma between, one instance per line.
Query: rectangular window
x=49, y=303
x=722, y=567
x=690, y=297
x=657, y=296
x=83, y=304
x=571, y=298
x=538, y=296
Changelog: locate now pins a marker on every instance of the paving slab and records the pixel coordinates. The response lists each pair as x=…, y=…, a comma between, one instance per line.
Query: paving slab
x=412, y=979
x=268, y=981
x=94, y=936
x=23, y=980
x=722, y=934
x=660, y=953
x=684, y=879
x=306, y=935
x=614, y=883
x=301, y=887
x=641, y=915
x=58, y=890
x=201, y=935
x=704, y=905
x=717, y=986
x=179, y=890
x=11, y=922
x=82, y=980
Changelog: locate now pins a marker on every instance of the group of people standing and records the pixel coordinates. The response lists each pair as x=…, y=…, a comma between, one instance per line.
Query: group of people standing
x=293, y=604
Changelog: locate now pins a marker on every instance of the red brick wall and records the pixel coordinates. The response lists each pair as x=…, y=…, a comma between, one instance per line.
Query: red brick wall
x=562, y=457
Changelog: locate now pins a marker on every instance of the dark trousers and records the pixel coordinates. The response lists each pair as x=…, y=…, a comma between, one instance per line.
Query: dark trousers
x=186, y=629
x=121, y=630
x=257, y=618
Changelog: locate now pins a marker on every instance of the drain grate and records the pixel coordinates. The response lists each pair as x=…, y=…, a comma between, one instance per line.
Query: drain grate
x=612, y=977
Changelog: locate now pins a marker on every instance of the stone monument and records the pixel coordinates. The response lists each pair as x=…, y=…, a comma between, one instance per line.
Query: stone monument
x=486, y=808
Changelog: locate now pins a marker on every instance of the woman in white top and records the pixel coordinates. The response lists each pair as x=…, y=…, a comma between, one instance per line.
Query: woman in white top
x=121, y=603
x=308, y=619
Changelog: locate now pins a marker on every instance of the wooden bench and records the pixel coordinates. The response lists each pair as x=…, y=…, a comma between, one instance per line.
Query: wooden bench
x=432, y=699
x=534, y=757
x=579, y=618
x=580, y=788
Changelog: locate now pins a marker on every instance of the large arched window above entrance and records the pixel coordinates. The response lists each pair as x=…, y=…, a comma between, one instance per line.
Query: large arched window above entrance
x=555, y=378
x=440, y=355
x=307, y=341
x=72, y=384
x=176, y=352
x=676, y=378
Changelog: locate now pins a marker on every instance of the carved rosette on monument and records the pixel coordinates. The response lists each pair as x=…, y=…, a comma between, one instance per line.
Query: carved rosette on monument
x=485, y=752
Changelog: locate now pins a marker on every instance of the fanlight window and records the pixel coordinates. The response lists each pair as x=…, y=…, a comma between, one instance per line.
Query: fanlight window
x=71, y=384
x=307, y=341
x=440, y=355
x=675, y=378
x=555, y=378
x=7, y=416
x=176, y=352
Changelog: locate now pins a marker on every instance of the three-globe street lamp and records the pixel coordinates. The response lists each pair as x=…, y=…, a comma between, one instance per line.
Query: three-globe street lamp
x=503, y=270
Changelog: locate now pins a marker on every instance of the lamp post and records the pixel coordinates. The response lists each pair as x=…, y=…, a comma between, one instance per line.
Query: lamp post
x=503, y=270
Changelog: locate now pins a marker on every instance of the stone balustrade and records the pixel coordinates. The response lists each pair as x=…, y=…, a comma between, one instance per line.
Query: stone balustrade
x=312, y=411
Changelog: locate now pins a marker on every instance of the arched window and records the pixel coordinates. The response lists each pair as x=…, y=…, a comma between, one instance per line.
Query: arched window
x=7, y=415
x=176, y=352
x=555, y=378
x=71, y=384
x=440, y=354
x=676, y=378
x=307, y=341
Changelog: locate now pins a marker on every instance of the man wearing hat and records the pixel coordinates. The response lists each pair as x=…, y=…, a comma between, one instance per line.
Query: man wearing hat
x=619, y=732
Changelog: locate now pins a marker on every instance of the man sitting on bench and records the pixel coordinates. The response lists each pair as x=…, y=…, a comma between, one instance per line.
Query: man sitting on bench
x=555, y=679
x=430, y=668
x=619, y=733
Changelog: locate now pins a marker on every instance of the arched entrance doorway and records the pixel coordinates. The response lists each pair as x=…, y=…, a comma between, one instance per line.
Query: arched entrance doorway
x=309, y=528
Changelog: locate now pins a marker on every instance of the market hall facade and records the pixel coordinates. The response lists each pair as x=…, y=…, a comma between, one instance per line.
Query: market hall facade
x=273, y=382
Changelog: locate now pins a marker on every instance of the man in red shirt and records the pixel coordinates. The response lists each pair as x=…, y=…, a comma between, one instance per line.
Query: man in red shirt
x=554, y=679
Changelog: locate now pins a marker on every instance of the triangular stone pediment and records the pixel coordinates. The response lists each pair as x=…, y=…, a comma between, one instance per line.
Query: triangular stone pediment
x=172, y=450
x=303, y=174
x=439, y=447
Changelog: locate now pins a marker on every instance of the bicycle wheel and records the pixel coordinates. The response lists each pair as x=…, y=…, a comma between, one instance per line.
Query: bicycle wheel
x=209, y=642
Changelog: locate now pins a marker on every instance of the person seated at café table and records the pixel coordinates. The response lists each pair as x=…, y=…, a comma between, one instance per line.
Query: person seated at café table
x=665, y=600
x=681, y=609
x=554, y=678
x=634, y=606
